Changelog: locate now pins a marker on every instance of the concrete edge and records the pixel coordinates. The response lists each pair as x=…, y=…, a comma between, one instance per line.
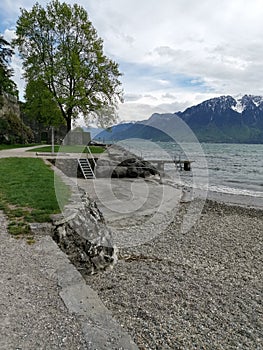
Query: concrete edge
x=101, y=331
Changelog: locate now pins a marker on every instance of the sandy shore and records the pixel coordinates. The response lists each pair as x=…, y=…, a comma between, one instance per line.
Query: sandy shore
x=200, y=289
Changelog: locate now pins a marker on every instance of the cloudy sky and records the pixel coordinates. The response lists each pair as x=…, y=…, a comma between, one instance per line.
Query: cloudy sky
x=172, y=53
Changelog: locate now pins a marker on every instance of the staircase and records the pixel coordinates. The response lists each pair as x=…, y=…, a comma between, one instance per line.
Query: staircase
x=86, y=168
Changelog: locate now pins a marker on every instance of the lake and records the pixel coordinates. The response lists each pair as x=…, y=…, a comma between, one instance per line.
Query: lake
x=225, y=168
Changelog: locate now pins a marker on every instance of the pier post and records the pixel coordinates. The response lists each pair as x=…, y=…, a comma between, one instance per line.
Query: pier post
x=187, y=165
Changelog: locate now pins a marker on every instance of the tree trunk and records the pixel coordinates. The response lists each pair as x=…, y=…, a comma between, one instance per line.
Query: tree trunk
x=68, y=124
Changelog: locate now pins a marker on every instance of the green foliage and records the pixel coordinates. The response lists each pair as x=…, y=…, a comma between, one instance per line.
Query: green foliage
x=6, y=83
x=13, y=130
x=61, y=50
x=40, y=104
x=27, y=192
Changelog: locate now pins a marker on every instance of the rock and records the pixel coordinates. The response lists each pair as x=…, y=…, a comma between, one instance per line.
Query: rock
x=132, y=172
x=118, y=162
x=128, y=162
x=104, y=171
x=119, y=171
x=85, y=238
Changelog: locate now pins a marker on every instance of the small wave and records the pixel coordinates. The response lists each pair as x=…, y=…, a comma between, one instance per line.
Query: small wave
x=235, y=181
x=237, y=191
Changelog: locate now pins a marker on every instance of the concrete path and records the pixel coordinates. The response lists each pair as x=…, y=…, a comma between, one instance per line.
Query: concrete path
x=19, y=152
x=46, y=304
x=136, y=210
x=131, y=198
x=23, y=153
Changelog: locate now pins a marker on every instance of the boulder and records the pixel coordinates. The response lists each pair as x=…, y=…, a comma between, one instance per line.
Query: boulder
x=83, y=235
x=132, y=172
x=118, y=162
x=119, y=171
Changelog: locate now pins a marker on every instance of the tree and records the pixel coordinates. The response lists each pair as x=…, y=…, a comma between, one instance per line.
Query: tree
x=41, y=105
x=60, y=47
x=6, y=83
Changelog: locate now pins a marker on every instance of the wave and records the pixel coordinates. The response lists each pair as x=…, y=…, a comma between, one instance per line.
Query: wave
x=236, y=191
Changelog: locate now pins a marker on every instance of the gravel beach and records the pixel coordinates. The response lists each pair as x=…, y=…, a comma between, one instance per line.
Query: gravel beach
x=200, y=289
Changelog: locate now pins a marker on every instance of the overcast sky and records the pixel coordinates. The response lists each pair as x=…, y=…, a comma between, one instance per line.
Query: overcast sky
x=172, y=53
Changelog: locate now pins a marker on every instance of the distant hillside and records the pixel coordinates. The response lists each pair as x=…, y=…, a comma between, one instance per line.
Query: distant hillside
x=222, y=119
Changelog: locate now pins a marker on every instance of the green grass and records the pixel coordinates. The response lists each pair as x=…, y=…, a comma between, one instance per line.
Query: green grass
x=68, y=149
x=4, y=147
x=27, y=192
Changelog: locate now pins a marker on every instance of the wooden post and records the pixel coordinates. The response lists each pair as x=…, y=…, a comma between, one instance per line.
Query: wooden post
x=187, y=165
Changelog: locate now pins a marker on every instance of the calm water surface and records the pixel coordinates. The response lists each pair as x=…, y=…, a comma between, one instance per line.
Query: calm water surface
x=227, y=168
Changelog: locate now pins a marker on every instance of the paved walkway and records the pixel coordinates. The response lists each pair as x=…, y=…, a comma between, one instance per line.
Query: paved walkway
x=45, y=303
x=23, y=153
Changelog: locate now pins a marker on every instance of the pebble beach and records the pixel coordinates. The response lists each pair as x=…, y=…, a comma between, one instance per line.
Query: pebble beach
x=200, y=289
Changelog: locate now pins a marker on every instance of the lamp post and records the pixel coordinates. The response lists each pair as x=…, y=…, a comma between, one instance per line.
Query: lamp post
x=52, y=140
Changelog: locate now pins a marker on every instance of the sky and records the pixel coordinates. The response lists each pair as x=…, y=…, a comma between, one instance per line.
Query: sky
x=172, y=53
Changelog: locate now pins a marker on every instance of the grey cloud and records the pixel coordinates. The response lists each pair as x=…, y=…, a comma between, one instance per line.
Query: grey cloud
x=152, y=97
x=165, y=50
x=132, y=97
x=168, y=95
x=138, y=111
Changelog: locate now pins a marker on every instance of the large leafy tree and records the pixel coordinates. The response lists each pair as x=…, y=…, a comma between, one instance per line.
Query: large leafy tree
x=6, y=83
x=41, y=105
x=60, y=48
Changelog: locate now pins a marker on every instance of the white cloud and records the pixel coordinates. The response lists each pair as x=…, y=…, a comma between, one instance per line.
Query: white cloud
x=187, y=49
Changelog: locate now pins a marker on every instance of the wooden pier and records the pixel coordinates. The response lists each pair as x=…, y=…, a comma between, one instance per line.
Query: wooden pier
x=180, y=164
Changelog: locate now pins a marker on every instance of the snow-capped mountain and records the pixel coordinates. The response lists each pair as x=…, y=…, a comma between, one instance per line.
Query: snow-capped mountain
x=220, y=119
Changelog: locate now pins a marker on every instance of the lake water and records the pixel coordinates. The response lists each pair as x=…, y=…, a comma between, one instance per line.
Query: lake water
x=225, y=168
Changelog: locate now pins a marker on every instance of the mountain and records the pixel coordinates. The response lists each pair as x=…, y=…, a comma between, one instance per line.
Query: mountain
x=220, y=119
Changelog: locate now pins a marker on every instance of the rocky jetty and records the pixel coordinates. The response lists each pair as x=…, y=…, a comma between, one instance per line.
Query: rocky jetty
x=116, y=162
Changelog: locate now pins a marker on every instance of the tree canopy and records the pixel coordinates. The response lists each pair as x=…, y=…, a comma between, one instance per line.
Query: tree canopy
x=63, y=59
x=6, y=83
x=41, y=105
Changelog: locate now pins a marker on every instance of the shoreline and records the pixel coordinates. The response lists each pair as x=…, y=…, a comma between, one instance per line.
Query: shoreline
x=244, y=201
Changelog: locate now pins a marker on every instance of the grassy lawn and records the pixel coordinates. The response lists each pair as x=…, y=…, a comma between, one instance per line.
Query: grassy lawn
x=27, y=192
x=4, y=147
x=68, y=149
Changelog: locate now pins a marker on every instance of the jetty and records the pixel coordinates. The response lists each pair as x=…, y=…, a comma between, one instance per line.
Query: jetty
x=179, y=163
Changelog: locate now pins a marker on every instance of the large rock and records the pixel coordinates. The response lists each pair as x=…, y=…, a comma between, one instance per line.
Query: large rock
x=83, y=235
x=118, y=162
x=120, y=171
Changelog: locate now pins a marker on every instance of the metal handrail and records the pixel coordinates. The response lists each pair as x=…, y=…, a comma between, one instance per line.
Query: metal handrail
x=93, y=159
x=89, y=151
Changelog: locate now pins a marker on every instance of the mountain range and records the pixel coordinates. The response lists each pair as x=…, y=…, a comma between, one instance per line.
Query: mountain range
x=220, y=119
